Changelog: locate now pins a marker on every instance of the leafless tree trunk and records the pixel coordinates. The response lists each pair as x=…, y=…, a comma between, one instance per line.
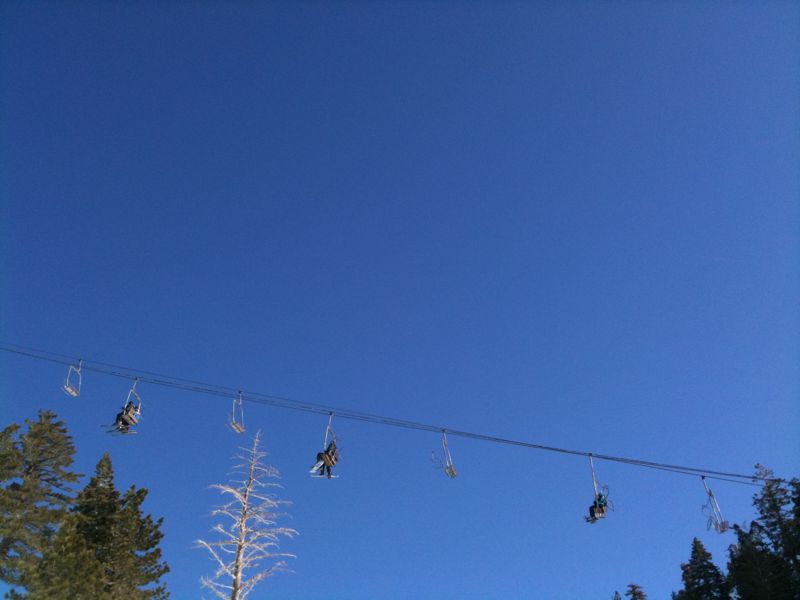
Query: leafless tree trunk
x=251, y=538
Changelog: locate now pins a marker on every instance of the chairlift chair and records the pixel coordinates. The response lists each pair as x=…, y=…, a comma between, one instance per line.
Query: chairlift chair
x=131, y=412
x=712, y=511
x=329, y=456
x=599, y=507
x=134, y=400
x=72, y=382
x=446, y=462
x=237, y=424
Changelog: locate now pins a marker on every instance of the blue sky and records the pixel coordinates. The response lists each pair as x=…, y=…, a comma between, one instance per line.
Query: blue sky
x=574, y=224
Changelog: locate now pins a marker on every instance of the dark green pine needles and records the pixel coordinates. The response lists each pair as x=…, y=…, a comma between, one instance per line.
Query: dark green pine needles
x=56, y=546
x=36, y=493
x=702, y=579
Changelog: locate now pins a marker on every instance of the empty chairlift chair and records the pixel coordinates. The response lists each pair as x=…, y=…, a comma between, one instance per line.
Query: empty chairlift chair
x=445, y=463
x=237, y=414
x=72, y=382
x=711, y=510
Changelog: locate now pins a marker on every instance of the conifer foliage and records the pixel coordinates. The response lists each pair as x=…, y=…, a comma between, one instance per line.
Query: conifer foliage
x=765, y=561
x=123, y=541
x=36, y=492
x=68, y=569
x=635, y=592
x=702, y=580
x=56, y=546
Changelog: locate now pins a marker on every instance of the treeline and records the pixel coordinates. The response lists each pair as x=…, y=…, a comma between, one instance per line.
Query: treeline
x=763, y=564
x=57, y=543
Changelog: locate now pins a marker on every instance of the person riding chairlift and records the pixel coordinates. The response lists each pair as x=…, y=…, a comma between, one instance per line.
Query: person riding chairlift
x=328, y=458
x=598, y=508
x=126, y=417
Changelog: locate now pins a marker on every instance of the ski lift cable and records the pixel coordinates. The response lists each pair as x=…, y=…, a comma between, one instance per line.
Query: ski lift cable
x=217, y=390
x=69, y=360
x=195, y=386
x=366, y=417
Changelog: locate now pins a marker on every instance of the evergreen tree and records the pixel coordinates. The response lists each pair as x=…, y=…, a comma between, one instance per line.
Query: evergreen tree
x=635, y=592
x=616, y=596
x=778, y=517
x=10, y=456
x=36, y=492
x=69, y=569
x=10, y=468
x=755, y=572
x=702, y=580
x=792, y=540
x=123, y=542
x=765, y=562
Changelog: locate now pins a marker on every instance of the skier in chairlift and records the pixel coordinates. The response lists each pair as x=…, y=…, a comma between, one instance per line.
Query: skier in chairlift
x=598, y=508
x=328, y=458
x=126, y=418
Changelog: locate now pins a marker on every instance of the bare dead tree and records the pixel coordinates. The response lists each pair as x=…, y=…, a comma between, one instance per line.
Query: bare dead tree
x=250, y=541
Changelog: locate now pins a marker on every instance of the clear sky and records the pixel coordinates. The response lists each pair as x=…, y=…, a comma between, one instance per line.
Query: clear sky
x=574, y=224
